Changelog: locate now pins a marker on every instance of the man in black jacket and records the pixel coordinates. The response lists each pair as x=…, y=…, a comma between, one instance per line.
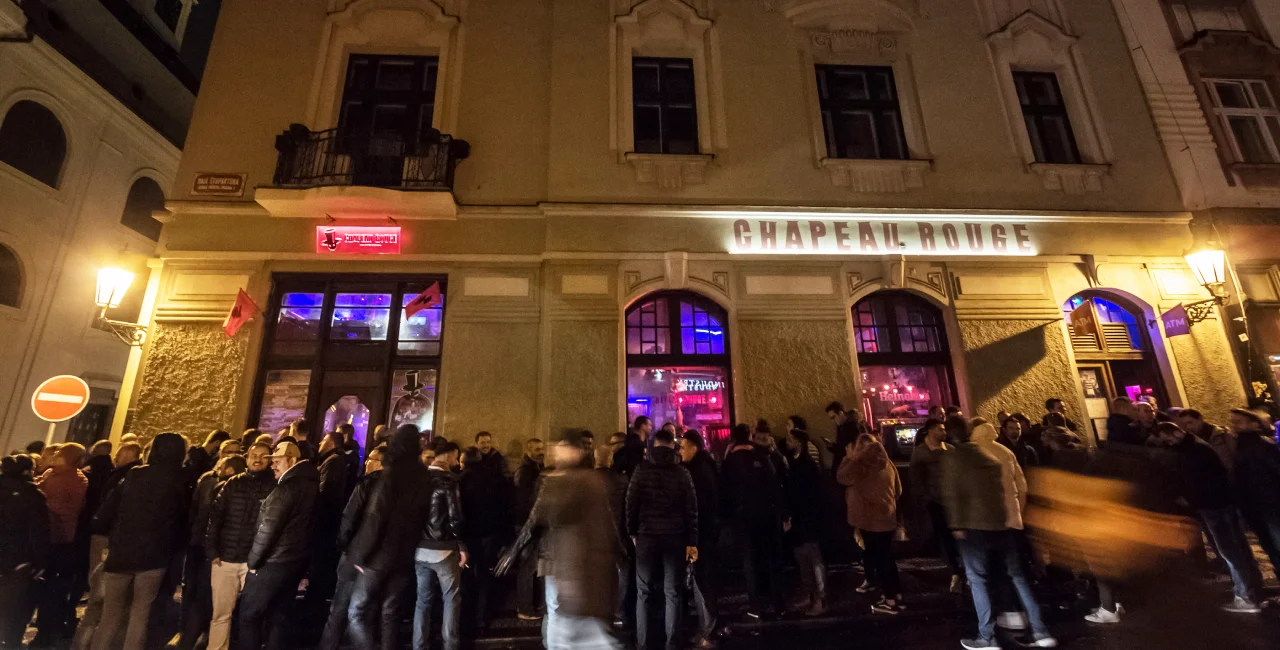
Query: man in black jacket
x=24, y=540
x=441, y=555
x=334, y=474
x=197, y=600
x=1257, y=478
x=702, y=468
x=528, y=587
x=232, y=525
x=486, y=507
x=382, y=551
x=336, y=627
x=1206, y=488
x=281, y=548
x=489, y=453
x=145, y=518
x=1122, y=425
x=662, y=520
x=751, y=506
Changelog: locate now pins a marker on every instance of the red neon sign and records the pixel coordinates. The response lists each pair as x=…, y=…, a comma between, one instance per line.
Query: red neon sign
x=358, y=240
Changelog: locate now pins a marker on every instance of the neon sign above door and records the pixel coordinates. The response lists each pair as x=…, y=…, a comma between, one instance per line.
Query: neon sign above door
x=358, y=240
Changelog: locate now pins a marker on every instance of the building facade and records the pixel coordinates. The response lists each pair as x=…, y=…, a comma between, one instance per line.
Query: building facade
x=1211, y=73
x=704, y=211
x=90, y=123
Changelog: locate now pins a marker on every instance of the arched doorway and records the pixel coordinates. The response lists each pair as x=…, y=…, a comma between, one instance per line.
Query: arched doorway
x=1114, y=353
x=903, y=359
x=678, y=363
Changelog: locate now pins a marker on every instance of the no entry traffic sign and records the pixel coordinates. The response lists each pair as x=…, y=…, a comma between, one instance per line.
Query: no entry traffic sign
x=60, y=398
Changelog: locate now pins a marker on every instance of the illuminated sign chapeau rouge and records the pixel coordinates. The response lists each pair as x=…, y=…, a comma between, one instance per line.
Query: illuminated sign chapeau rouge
x=358, y=240
x=802, y=236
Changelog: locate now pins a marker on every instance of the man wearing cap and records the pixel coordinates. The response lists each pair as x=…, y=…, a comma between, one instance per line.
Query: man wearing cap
x=281, y=548
x=1257, y=474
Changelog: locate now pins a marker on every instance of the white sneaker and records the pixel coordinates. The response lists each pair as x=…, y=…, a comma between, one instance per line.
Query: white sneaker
x=1242, y=606
x=1103, y=617
x=1043, y=642
x=865, y=587
x=1012, y=621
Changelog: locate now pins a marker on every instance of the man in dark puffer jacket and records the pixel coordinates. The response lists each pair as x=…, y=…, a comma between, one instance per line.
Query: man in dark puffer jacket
x=233, y=522
x=662, y=518
x=145, y=517
x=281, y=548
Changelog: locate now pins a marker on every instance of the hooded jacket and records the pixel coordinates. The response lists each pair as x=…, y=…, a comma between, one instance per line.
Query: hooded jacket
x=146, y=515
x=396, y=511
x=661, y=500
x=284, y=526
x=872, y=488
x=982, y=485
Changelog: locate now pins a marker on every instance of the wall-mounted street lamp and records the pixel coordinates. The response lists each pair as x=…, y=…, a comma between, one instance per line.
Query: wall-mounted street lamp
x=1210, y=266
x=112, y=285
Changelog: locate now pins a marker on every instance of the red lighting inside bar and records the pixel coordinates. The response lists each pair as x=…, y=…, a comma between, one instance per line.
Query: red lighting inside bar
x=358, y=240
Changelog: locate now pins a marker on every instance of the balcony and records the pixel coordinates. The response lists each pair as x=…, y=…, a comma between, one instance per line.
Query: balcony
x=363, y=176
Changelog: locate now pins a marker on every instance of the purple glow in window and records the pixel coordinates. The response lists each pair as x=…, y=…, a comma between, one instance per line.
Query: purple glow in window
x=299, y=316
x=361, y=316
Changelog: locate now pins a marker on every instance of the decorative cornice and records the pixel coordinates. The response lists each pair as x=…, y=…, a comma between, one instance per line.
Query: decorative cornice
x=877, y=176
x=1071, y=179
x=669, y=171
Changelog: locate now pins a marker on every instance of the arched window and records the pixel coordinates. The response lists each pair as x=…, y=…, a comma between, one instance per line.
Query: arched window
x=11, y=279
x=33, y=142
x=1114, y=354
x=903, y=357
x=678, y=363
x=145, y=197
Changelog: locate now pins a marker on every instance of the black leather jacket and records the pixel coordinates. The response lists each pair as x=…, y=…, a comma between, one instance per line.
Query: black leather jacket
x=233, y=517
x=443, y=529
x=284, y=526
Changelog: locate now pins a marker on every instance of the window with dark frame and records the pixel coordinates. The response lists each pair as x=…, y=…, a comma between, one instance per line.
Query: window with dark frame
x=664, y=102
x=389, y=96
x=145, y=197
x=33, y=142
x=860, y=113
x=1045, y=113
x=894, y=323
x=699, y=327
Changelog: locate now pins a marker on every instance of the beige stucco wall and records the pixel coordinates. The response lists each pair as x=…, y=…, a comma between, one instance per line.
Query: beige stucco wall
x=792, y=368
x=489, y=379
x=583, y=383
x=1209, y=375
x=1015, y=365
x=190, y=381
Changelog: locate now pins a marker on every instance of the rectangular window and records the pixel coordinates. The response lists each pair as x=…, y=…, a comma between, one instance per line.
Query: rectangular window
x=665, y=105
x=860, y=113
x=389, y=96
x=1250, y=120
x=1045, y=114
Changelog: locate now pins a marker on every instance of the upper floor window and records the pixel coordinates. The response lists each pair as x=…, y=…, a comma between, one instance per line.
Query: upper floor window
x=33, y=142
x=860, y=113
x=896, y=322
x=675, y=324
x=145, y=197
x=389, y=96
x=1045, y=113
x=1249, y=118
x=664, y=105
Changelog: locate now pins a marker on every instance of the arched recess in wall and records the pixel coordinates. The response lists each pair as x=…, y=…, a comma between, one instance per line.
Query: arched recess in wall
x=904, y=358
x=678, y=365
x=12, y=282
x=33, y=142
x=1115, y=352
x=145, y=197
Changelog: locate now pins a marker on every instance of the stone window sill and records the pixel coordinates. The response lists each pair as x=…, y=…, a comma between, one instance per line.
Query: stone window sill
x=669, y=171
x=877, y=176
x=1071, y=179
x=1257, y=176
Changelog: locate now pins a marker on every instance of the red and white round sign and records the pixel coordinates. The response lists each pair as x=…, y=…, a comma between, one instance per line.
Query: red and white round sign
x=60, y=398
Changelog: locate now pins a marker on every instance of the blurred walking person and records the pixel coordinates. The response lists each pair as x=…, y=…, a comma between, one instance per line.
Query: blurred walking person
x=145, y=518
x=571, y=515
x=229, y=534
x=281, y=550
x=926, y=479
x=1257, y=474
x=872, y=488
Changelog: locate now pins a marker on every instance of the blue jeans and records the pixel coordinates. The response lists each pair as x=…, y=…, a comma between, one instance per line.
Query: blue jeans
x=980, y=550
x=373, y=609
x=1223, y=526
x=659, y=559
x=562, y=631
x=436, y=580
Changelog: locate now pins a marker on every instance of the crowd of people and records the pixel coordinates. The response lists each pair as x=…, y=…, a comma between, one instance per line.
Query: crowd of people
x=604, y=540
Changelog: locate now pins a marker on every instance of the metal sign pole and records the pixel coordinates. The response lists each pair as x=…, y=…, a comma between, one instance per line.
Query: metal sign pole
x=48, y=436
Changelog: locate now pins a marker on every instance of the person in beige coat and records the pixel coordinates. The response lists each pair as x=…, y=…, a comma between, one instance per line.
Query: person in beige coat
x=872, y=488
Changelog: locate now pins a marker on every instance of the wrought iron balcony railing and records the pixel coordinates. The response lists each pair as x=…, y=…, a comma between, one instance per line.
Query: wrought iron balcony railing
x=329, y=158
